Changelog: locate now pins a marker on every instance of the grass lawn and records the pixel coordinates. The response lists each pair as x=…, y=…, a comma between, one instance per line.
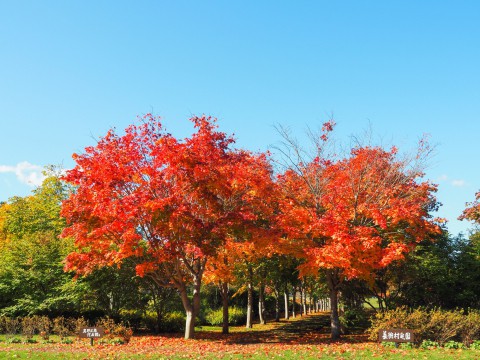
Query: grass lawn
x=300, y=338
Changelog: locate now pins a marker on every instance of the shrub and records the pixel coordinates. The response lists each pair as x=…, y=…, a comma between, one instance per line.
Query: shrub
x=44, y=326
x=438, y=326
x=173, y=322
x=12, y=325
x=445, y=325
x=125, y=333
x=354, y=318
x=471, y=328
x=236, y=316
x=391, y=319
x=108, y=325
x=76, y=324
x=28, y=327
x=60, y=327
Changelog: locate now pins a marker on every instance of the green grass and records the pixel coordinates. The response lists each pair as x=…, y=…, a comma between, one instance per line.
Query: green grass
x=326, y=354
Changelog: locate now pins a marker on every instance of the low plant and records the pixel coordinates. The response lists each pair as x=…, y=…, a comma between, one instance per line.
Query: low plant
x=125, y=333
x=475, y=345
x=13, y=340
x=453, y=345
x=429, y=344
x=117, y=342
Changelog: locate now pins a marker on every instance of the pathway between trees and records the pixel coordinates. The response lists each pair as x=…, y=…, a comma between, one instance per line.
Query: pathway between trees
x=310, y=329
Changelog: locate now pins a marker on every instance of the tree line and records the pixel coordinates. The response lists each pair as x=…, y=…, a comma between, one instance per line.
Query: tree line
x=145, y=222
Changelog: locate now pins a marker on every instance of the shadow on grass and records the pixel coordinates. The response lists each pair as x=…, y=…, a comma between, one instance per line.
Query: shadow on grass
x=310, y=329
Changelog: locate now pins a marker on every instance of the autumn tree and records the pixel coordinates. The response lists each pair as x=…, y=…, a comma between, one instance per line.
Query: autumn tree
x=167, y=204
x=354, y=215
x=472, y=211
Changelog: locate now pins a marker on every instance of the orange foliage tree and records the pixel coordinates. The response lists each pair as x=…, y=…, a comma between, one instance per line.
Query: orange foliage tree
x=255, y=236
x=168, y=205
x=472, y=211
x=352, y=216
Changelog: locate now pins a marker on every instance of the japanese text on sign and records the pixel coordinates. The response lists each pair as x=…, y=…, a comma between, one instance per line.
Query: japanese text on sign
x=395, y=335
x=91, y=332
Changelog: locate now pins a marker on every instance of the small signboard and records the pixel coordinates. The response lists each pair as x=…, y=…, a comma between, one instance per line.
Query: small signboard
x=395, y=335
x=91, y=333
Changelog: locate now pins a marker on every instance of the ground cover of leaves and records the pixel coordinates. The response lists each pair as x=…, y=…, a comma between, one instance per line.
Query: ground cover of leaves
x=300, y=338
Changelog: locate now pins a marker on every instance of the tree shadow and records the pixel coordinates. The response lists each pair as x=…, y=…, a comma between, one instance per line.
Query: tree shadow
x=310, y=329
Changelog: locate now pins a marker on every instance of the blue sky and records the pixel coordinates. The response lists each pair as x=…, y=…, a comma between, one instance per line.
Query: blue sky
x=71, y=70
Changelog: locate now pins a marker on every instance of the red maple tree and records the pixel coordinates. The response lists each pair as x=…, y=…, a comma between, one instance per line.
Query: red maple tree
x=168, y=205
x=351, y=216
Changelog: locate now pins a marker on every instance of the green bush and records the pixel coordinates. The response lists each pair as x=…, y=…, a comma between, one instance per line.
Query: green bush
x=173, y=322
x=236, y=316
x=354, y=318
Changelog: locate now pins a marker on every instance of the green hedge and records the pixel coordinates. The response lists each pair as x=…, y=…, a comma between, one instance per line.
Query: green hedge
x=236, y=316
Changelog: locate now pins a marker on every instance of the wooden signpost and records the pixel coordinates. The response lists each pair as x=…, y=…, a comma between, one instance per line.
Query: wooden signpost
x=91, y=333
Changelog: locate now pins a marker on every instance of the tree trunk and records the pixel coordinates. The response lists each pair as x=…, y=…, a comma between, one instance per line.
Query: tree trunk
x=300, y=290
x=294, y=296
x=304, y=300
x=261, y=304
x=277, y=304
x=192, y=307
x=285, y=295
x=224, y=293
x=332, y=282
x=249, y=324
x=190, y=319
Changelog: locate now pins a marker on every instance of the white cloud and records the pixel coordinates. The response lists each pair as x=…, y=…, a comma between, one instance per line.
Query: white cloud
x=459, y=183
x=442, y=178
x=25, y=172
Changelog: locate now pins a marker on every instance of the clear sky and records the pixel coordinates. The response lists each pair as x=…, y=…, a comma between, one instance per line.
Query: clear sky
x=70, y=70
